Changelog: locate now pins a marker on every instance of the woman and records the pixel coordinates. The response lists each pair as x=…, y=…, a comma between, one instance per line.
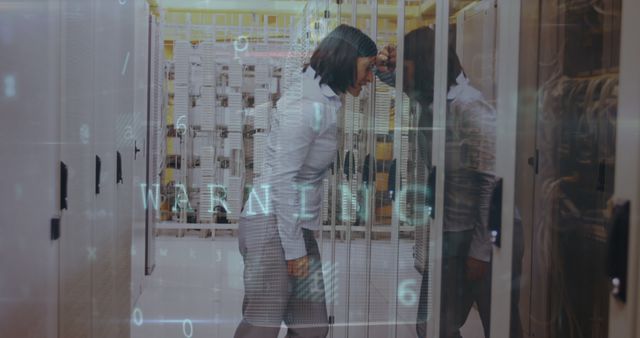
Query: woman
x=283, y=269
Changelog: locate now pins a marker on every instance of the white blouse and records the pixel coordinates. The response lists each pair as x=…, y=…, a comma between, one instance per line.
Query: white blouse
x=301, y=147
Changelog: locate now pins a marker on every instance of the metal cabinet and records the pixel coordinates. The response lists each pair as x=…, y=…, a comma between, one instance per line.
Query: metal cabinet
x=573, y=131
x=77, y=153
x=97, y=148
x=30, y=134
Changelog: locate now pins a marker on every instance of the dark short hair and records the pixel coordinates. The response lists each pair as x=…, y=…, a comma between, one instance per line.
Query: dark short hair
x=419, y=47
x=335, y=59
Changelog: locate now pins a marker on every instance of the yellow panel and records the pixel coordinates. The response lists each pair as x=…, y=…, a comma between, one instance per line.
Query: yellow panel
x=170, y=146
x=416, y=23
x=207, y=19
x=247, y=20
x=384, y=151
x=173, y=17
x=197, y=18
x=382, y=181
x=170, y=110
x=258, y=7
x=383, y=213
x=286, y=7
x=168, y=50
x=428, y=9
x=154, y=7
x=202, y=19
x=221, y=20
x=168, y=176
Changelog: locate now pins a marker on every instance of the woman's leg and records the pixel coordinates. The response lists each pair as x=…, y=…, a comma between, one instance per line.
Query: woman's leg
x=456, y=294
x=421, y=321
x=265, y=278
x=306, y=314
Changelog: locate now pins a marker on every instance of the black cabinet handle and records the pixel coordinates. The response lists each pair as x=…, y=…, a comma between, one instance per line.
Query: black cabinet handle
x=365, y=169
x=348, y=167
x=64, y=180
x=495, y=213
x=345, y=165
x=602, y=175
x=335, y=167
x=119, y=168
x=431, y=192
x=98, y=171
x=54, y=228
x=136, y=150
x=374, y=164
x=391, y=181
x=618, y=249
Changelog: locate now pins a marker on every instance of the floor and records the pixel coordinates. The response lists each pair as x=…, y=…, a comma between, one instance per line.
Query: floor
x=196, y=290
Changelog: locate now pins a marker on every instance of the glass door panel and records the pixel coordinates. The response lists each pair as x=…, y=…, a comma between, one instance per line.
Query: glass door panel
x=410, y=190
x=575, y=164
x=383, y=271
x=359, y=194
x=470, y=126
x=627, y=187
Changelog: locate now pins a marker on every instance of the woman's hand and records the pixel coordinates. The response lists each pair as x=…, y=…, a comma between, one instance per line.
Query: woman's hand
x=298, y=267
x=386, y=59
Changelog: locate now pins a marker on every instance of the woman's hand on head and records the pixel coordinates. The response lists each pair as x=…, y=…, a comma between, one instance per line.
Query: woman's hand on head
x=386, y=59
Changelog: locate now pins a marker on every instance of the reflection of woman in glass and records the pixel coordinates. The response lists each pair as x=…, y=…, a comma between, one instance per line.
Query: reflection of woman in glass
x=469, y=180
x=283, y=271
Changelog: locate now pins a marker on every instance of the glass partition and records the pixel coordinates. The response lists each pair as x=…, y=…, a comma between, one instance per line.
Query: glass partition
x=413, y=187
x=574, y=159
x=469, y=170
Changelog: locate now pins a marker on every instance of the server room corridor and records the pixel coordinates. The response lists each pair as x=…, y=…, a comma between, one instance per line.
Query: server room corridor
x=195, y=281
x=194, y=289
x=320, y=168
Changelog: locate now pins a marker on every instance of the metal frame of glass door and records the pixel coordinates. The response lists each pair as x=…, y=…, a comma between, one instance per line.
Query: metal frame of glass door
x=397, y=155
x=370, y=185
x=438, y=161
x=623, y=317
x=506, y=106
